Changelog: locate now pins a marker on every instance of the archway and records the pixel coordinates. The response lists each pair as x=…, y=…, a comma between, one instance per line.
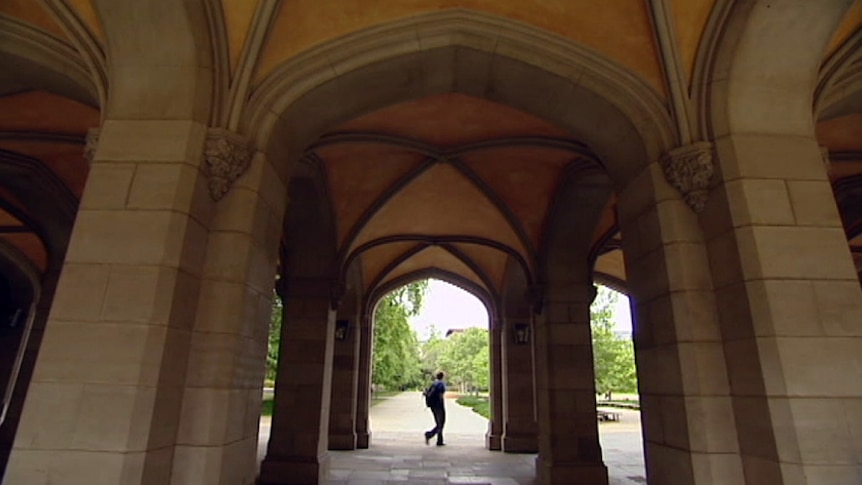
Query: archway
x=305, y=122
x=451, y=343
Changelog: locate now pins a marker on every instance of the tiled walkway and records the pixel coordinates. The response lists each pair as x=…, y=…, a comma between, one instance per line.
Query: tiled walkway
x=398, y=453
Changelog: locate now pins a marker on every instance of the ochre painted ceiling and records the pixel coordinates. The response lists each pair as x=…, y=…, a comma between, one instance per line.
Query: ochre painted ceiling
x=620, y=29
x=508, y=185
x=467, y=181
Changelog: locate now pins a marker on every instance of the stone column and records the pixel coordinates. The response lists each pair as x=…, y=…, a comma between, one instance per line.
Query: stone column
x=363, y=394
x=569, y=450
x=493, y=438
x=297, y=451
x=520, y=432
x=345, y=378
x=217, y=439
x=104, y=401
x=790, y=307
x=686, y=414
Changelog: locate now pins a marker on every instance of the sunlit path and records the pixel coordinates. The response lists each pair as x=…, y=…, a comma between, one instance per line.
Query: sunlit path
x=406, y=413
x=398, y=453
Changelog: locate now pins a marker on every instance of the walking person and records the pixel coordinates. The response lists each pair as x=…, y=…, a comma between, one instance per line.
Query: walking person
x=434, y=400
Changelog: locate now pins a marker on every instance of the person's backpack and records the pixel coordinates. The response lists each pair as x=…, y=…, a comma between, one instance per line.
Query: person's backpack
x=429, y=396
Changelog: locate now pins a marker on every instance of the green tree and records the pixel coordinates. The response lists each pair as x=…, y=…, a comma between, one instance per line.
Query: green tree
x=613, y=356
x=466, y=359
x=274, y=338
x=396, y=363
x=431, y=352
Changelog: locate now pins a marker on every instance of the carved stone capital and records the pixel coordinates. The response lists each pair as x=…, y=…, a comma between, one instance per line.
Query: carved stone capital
x=92, y=142
x=690, y=170
x=228, y=156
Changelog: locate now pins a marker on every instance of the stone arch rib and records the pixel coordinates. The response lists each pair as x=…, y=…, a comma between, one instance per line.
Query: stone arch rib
x=378, y=293
x=631, y=109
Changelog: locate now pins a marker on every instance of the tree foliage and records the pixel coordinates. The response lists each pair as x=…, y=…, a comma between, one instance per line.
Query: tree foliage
x=396, y=363
x=274, y=338
x=613, y=355
x=464, y=357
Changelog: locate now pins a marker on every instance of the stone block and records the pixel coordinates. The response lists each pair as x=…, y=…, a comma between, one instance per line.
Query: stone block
x=128, y=237
x=783, y=308
x=139, y=294
x=152, y=141
x=115, y=418
x=711, y=425
x=818, y=366
x=759, y=201
x=106, y=353
x=197, y=465
x=50, y=417
x=703, y=369
x=839, y=307
x=228, y=256
x=80, y=292
x=204, y=417
x=163, y=186
x=814, y=203
x=794, y=252
x=212, y=359
x=763, y=156
x=108, y=185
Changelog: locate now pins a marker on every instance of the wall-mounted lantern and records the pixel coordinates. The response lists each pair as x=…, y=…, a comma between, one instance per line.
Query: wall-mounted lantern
x=342, y=330
x=521, y=333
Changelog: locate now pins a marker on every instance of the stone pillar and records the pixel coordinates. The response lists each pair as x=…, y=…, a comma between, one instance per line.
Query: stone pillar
x=217, y=439
x=520, y=432
x=345, y=378
x=569, y=450
x=686, y=413
x=493, y=438
x=363, y=394
x=297, y=451
x=104, y=401
x=790, y=306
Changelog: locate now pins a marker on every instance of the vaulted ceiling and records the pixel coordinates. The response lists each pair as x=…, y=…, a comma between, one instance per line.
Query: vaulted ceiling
x=405, y=170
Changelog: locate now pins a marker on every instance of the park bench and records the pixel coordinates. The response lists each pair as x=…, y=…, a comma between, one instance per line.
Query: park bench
x=607, y=416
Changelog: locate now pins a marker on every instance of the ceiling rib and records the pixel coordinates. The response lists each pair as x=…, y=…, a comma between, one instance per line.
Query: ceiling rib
x=436, y=241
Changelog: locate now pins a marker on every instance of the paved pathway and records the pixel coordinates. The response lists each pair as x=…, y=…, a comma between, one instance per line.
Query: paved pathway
x=398, y=453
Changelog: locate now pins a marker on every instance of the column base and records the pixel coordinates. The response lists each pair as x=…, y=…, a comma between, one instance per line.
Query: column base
x=363, y=441
x=493, y=442
x=525, y=443
x=343, y=442
x=293, y=471
x=570, y=473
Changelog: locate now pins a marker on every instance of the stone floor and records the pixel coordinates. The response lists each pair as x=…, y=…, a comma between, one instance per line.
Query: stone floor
x=398, y=453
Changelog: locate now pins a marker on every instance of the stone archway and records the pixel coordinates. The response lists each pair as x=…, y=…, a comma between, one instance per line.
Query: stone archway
x=307, y=97
x=777, y=304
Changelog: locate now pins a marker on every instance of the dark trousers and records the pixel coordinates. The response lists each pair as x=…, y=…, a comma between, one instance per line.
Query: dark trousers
x=439, y=421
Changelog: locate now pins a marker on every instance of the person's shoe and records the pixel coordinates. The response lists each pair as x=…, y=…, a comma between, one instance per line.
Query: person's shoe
x=441, y=444
x=427, y=439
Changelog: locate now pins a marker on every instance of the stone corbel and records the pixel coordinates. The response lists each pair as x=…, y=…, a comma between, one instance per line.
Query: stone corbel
x=92, y=142
x=690, y=170
x=228, y=156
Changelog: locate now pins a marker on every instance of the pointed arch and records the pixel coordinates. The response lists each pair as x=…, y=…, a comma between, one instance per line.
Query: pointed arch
x=455, y=51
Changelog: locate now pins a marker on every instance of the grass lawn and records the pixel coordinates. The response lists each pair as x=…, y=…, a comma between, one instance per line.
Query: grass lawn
x=479, y=404
x=266, y=408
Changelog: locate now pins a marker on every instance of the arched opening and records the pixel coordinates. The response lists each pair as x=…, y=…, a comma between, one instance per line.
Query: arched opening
x=451, y=343
x=412, y=175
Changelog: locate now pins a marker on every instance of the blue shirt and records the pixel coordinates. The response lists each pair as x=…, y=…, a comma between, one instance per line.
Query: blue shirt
x=435, y=394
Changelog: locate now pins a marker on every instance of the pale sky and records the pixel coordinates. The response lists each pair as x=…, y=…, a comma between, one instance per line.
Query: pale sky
x=446, y=306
